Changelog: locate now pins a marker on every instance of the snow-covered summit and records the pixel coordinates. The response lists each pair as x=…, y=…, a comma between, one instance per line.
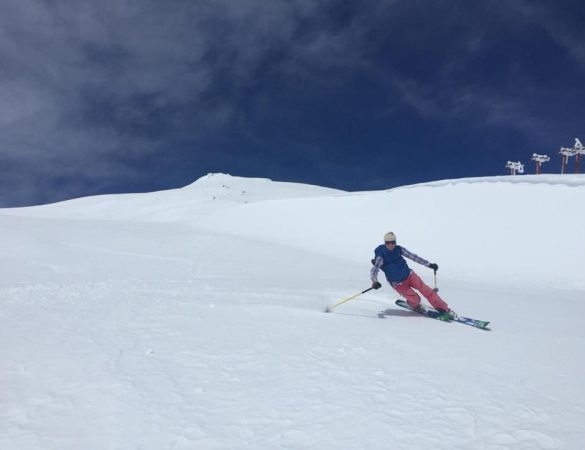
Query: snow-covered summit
x=248, y=190
x=214, y=180
x=209, y=193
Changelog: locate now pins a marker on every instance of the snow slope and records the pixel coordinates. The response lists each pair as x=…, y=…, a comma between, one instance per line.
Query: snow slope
x=507, y=230
x=192, y=319
x=212, y=192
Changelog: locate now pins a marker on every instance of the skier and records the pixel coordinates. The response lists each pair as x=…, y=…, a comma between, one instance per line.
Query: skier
x=390, y=258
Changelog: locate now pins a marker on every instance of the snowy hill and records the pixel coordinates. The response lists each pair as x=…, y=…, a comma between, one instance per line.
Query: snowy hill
x=192, y=318
x=212, y=192
x=511, y=229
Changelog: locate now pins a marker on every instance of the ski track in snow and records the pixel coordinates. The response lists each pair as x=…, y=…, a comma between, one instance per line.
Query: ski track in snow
x=133, y=335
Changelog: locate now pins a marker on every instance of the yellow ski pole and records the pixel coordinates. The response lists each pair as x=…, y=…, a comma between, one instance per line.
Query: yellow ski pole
x=329, y=308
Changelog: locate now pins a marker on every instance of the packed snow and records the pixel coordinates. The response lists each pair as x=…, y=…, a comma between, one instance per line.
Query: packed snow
x=193, y=319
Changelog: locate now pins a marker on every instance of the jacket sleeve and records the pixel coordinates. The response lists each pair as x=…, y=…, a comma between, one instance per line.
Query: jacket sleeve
x=376, y=268
x=414, y=257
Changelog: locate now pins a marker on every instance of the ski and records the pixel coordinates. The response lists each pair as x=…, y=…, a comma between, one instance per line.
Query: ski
x=481, y=324
x=427, y=312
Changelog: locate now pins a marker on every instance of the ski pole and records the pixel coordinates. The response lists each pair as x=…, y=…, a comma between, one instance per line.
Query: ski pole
x=436, y=289
x=329, y=308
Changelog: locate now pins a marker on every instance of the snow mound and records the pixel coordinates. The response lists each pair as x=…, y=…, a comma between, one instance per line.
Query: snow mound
x=577, y=180
x=212, y=192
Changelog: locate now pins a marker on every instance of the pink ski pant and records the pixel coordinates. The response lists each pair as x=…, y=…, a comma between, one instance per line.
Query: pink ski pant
x=407, y=287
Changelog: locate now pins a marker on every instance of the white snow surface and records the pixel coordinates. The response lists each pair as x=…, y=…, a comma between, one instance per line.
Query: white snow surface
x=193, y=319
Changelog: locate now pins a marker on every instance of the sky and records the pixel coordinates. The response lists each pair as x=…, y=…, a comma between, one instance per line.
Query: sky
x=113, y=96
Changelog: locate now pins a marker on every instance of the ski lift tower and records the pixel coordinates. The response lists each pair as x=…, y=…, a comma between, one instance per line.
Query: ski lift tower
x=539, y=160
x=579, y=150
x=515, y=167
x=567, y=153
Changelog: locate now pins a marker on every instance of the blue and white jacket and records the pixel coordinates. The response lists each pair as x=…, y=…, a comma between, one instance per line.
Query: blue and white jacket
x=393, y=264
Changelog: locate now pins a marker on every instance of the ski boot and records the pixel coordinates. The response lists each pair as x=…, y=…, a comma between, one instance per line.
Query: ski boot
x=420, y=309
x=447, y=314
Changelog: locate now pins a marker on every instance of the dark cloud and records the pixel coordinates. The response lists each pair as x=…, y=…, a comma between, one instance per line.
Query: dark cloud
x=90, y=88
x=121, y=95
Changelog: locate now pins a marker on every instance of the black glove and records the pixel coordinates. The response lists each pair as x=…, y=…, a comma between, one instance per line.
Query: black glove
x=376, y=285
x=434, y=266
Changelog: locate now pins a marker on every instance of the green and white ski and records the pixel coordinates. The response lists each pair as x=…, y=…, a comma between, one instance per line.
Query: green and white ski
x=481, y=324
